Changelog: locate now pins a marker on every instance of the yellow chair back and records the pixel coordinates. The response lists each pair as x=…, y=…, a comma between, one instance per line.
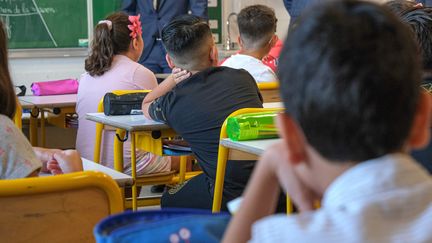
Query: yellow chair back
x=268, y=85
x=63, y=208
x=18, y=115
x=223, y=157
x=269, y=91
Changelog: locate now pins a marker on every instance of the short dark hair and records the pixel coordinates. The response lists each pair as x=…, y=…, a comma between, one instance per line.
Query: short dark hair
x=107, y=43
x=353, y=98
x=399, y=7
x=420, y=21
x=185, y=39
x=7, y=93
x=257, y=24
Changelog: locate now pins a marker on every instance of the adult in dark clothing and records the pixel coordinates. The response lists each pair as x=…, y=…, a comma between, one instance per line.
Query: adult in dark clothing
x=197, y=107
x=155, y=14
x=419, y=19
x=296, y=7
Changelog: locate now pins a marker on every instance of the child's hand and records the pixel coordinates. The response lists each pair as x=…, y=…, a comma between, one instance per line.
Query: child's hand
x=65, y=161
x=277, y=160
x=45, y=156
x=180, y=74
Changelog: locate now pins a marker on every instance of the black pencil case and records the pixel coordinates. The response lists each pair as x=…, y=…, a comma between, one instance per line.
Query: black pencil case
x=126, y=104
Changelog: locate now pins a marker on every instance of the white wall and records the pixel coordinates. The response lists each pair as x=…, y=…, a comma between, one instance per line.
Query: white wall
x=24, y=71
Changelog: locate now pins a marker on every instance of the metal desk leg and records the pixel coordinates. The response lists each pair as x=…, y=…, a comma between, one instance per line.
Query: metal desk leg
x=34, y=126
x=118, y=150
x=133, y=165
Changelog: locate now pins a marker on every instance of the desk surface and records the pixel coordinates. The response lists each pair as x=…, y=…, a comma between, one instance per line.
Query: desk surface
x=273, y=105
x=131, y=123
x=256, y=147
x=25, y=105
x=49, y=101
x=121, y=179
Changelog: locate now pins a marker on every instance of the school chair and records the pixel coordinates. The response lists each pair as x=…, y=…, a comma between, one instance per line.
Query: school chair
x=61, y=208
x=269, y=91
x=150, y=144
x=223, y=154
x=18, y=115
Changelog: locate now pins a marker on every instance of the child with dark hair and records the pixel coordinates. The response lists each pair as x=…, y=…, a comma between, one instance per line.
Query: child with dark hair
x=112, y=65
x=17, y=157
x=419, y=19
x=354, y=110
x=197, y=107
x=257, y=27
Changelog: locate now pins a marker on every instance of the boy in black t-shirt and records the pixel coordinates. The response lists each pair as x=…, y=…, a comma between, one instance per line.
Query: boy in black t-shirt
x=197, y=107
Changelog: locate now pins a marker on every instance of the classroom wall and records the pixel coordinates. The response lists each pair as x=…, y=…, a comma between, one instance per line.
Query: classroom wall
x=24, y=71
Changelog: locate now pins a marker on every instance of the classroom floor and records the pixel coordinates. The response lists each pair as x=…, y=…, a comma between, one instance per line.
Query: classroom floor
x=146, y=192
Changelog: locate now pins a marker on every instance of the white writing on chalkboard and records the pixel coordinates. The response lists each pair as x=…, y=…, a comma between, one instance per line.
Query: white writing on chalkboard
x=22, y=8
x=18, y=10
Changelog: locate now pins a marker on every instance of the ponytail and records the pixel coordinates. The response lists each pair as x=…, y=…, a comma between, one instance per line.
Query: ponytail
x=111, y=37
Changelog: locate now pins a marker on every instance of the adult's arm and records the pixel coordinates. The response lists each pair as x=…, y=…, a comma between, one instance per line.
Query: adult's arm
x=129, y=6
x=199, y=8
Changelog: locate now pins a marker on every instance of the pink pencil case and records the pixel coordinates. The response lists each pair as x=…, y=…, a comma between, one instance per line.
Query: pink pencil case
x=57, y=87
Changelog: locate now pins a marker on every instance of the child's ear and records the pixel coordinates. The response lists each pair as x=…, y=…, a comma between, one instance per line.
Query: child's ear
x=214, y=55
x=293, y=137
x=169, y=61
x=420, y=129
x=274, y=40
x=135, y=44
x=240, y=42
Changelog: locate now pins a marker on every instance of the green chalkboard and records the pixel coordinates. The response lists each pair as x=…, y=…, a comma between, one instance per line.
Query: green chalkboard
x=44, y=23
x=61, y=23
x=102, y=8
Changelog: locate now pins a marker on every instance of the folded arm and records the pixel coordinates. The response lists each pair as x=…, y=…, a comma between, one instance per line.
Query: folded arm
x=166, y=86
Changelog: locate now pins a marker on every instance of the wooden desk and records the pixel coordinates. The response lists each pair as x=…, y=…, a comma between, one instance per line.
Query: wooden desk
x=255, y=147
x=130, y=123
x=50, y=101
x=152, y=132
x=38, y=104
x=121, y=179
x=273, y=105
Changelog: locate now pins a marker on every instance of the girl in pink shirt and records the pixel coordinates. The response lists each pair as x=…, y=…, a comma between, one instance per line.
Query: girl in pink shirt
x=112, y=65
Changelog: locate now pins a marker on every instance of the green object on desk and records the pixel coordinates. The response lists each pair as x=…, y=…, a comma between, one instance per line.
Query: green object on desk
x=252, y=126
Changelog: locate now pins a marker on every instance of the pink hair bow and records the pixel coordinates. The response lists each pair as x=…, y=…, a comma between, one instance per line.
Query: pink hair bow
x=135, y=26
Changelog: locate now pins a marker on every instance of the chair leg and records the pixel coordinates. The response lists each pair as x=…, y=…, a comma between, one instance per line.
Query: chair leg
x=133, y=165
x=289, y=206
x=220, y=176
x=182, y=171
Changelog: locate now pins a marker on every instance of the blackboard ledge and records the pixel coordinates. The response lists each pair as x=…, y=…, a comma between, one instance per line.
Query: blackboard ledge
x=48, y=52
